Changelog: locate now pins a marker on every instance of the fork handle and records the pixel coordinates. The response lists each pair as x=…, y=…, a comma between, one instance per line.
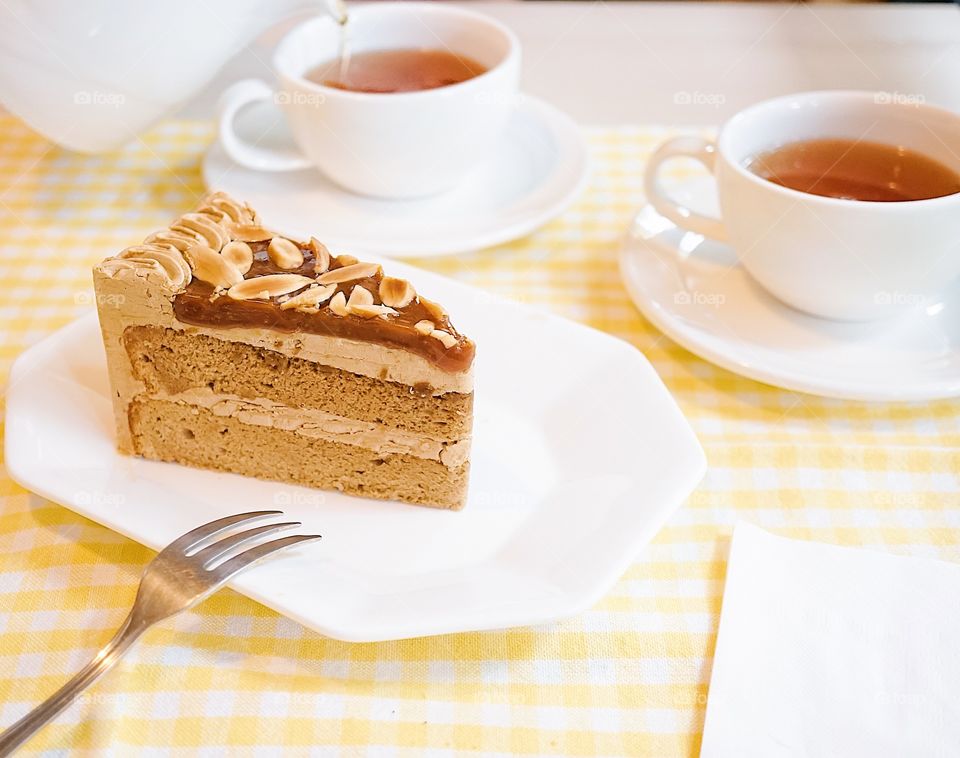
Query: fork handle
x=27, y=726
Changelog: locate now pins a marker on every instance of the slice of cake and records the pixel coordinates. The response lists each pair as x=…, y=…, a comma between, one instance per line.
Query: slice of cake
x=233, y=348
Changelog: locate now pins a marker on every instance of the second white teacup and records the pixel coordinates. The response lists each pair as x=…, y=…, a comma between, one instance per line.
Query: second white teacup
x=836, y=258
x=390, y=145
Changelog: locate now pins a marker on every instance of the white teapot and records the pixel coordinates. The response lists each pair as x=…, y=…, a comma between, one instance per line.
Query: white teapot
x=92, y=74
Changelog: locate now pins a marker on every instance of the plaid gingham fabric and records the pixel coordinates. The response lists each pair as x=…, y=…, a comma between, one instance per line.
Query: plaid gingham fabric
x=627, y=677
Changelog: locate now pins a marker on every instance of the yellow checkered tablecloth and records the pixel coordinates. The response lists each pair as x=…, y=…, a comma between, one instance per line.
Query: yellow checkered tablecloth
x=628, y=677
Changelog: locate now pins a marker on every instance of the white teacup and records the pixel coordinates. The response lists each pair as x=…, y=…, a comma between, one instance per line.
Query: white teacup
x=394, y=145
x=841, y=259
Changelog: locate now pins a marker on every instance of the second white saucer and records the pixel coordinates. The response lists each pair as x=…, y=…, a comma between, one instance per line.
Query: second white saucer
x=538, y=169
x=693, y=290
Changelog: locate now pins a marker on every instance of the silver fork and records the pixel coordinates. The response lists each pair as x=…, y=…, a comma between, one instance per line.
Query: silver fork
x=182, y=574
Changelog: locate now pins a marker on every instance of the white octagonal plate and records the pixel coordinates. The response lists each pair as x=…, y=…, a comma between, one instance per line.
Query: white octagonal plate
x=580, y=454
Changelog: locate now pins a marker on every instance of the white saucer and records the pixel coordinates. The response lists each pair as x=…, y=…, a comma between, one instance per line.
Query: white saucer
x=693, y=290
x=538, y=169
x=579, y=456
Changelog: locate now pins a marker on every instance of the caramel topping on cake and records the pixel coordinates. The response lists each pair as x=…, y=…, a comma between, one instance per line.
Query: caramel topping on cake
x=223, y=268
x=342, y=301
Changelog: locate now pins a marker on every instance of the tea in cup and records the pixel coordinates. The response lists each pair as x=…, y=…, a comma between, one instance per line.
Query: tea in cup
x=426, y=94
x=845, y=205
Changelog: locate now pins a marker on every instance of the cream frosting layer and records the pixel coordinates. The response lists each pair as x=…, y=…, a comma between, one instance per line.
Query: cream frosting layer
x=322, y=425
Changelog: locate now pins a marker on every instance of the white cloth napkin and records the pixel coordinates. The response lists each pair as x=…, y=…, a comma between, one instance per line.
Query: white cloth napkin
x=829, y=651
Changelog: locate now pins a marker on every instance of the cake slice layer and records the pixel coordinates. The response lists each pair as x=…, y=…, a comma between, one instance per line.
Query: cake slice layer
x=172, y=361
x=171, y=431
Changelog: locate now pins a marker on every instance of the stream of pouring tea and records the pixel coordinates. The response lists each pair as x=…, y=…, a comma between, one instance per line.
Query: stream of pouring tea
x=339, y=10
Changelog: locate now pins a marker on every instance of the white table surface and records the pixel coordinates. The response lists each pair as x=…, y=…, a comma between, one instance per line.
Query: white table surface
x=611, y=63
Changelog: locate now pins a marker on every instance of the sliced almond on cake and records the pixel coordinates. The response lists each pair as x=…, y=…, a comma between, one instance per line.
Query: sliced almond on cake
x=239, y=254
x=271, y=285
x=310, y=299
x=249, y=232
x=338, y=304
x=359, y=296
x=446, y=338
x=397, y=293
x=321, y=256
x=361, y=303
x=435, y=310
x=349, y=273
x=372, y=311
x=211, y=267
x=424, y=327
x=284, y=253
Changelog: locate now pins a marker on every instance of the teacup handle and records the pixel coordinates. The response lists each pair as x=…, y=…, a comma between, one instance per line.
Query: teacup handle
x=701, y=150
x=242, y=151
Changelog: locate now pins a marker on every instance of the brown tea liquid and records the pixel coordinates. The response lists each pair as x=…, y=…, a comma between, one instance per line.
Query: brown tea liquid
x=853, y=170
x=396, y=71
